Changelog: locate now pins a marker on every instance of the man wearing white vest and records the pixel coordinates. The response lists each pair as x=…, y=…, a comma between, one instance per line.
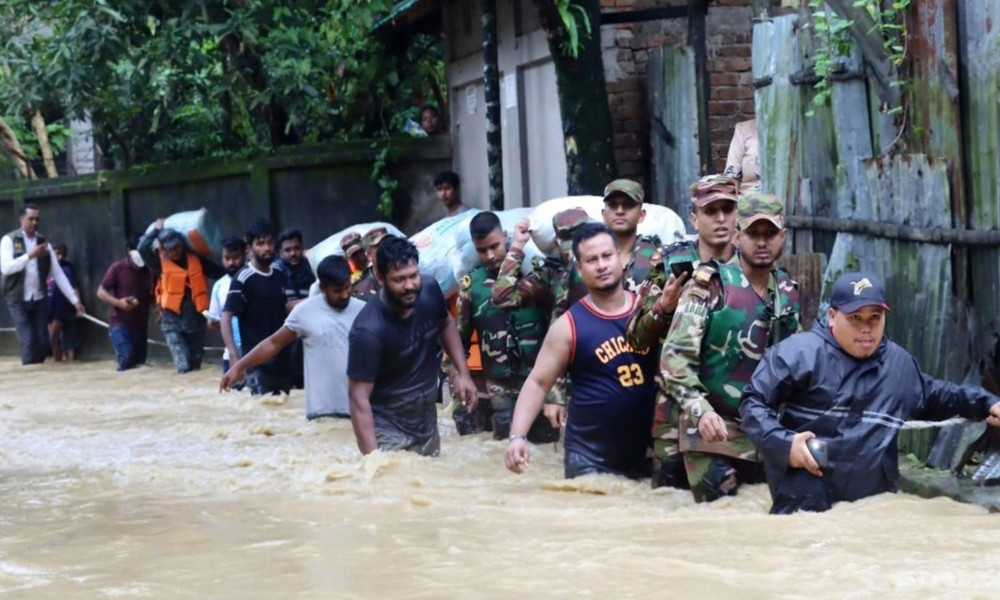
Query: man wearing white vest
x=26, y=260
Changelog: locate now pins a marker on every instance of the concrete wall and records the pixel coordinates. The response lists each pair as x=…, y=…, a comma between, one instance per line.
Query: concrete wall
x=534, y=163
x=319, y=190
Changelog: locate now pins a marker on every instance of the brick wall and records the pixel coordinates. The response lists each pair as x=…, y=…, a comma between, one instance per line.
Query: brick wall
x=729, y=37
x=626, y=50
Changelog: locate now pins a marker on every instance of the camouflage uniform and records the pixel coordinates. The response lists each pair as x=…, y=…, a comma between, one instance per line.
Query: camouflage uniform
x=552, y=285
x=646, y=246
x=351, y=243
x=649, y=323
x=509, y=341
x=366, y=287
x=647, y=250
x=717, y=337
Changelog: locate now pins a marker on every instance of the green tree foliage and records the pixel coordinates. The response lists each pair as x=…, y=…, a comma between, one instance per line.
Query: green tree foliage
x=171, y=79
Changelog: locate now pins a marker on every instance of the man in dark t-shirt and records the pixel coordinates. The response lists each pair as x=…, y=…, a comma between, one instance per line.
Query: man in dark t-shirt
x=257, y=297
x=394, y=357
x=127, y=287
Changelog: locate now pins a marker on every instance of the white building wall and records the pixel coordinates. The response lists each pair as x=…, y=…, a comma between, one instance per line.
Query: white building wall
x=534, y=162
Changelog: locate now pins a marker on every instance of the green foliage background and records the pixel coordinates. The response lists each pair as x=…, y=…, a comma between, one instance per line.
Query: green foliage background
x=165, y=80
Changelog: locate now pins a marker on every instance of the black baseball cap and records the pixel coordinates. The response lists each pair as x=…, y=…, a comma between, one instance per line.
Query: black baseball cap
x=170, y=239
x=854, y=291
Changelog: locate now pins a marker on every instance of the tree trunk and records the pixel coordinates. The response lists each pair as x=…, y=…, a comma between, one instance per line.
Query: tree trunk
x=583, y=97
x=491, y=92
x=13, y=149
x=38, y=124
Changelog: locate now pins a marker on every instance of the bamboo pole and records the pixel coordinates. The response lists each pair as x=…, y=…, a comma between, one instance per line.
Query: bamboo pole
x=958, y=237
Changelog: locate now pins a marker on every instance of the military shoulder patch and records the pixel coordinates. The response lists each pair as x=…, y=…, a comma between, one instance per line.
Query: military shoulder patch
x=704, y=273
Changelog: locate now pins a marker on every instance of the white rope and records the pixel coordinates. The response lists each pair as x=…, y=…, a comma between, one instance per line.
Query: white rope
x=929, y=424
x=101, y=323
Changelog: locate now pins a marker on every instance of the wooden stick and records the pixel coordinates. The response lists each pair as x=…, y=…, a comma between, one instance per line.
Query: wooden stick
x=958, y=237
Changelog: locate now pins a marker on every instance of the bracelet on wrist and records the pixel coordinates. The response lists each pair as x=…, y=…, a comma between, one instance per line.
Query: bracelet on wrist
x=516, y=436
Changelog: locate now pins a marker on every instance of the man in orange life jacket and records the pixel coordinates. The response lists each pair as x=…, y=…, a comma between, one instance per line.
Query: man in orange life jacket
x=182, y=294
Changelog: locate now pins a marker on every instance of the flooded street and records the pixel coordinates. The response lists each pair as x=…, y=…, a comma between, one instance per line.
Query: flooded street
x=147, y=484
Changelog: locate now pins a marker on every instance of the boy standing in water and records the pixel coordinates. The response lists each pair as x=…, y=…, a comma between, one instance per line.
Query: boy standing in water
x=62, y=316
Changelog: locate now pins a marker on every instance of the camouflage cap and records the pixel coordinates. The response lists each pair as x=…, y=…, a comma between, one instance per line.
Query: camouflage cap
x=566, y=222
x=754, y=207
x=627, y=187
x=710, y=188
x=374, y=237
x=351, y=243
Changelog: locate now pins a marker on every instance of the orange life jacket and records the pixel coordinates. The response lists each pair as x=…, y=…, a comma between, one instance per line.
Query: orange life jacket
x=475, y=360
x=175, y=281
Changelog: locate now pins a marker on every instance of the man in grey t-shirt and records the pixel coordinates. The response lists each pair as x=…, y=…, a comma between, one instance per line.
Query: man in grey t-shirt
x=323, y=322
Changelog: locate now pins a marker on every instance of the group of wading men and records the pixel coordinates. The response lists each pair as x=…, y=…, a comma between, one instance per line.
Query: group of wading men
x=685, y=363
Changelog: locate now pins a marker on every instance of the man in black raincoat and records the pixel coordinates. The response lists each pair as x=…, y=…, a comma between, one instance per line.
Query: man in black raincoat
x=844, y=383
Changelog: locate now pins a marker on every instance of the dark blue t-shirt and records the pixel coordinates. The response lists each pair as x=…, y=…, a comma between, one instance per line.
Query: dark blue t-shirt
x=610, y=415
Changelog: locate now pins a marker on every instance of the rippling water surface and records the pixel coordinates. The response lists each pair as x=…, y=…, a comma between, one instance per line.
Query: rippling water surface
x=147, y=484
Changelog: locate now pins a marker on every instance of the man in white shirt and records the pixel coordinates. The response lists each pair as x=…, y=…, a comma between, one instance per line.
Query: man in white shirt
x=26, y=259
x=323, y=321
x=234, y=257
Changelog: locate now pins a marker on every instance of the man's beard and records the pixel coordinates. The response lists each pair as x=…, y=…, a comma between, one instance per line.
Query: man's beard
x=263, y=260
x=233, y=270
x=398, y=302
x=758, y=263
x=339, y=304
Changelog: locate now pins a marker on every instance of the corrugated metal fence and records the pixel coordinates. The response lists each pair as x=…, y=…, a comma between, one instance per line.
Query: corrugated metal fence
x=924, y=218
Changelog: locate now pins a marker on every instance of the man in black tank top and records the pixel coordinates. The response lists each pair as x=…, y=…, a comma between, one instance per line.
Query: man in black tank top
x=610, y=414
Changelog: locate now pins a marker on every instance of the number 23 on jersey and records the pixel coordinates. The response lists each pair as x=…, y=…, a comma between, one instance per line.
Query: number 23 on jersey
x=630, y=375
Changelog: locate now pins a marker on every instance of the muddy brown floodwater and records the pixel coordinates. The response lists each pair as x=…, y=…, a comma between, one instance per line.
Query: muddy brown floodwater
x=147, y=484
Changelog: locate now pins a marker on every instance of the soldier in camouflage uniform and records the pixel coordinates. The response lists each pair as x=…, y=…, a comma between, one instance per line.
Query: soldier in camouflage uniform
x=509, y=339
x=622, y=214
x=727, y=317
x=354, y=252
x=714, y=218
x=367, y=286
x=552, y=285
